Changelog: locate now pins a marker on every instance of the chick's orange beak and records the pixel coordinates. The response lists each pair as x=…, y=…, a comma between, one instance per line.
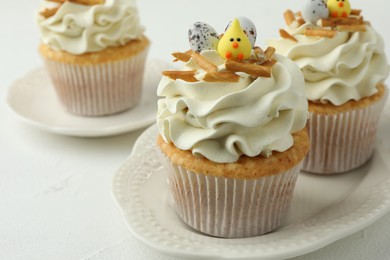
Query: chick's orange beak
x=341, y=4
x=235, y=45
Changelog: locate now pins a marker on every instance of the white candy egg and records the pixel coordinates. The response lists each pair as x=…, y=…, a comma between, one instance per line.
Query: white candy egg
x=248, y=27
x=202, y=36
x=313, y=10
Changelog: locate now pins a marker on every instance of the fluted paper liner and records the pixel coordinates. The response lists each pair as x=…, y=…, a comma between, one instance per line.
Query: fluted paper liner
x=344, y=141
x=231, y=208
x=98, y=89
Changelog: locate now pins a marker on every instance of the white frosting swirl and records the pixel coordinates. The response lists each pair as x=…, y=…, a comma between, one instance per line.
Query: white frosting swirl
x=346, y=67
x=79, y=29
x=222, y=121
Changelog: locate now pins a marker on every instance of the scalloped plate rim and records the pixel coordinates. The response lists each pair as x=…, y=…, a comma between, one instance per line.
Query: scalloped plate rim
x=299, y=250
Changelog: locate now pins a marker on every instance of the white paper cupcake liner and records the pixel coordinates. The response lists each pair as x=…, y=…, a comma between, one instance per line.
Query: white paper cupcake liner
x=231, y=208
x=101, y=89
x=344, y=141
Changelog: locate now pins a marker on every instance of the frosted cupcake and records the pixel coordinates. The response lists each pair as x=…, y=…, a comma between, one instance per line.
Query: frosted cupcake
x=95, y=53
x=342, y=59
x=231, y=131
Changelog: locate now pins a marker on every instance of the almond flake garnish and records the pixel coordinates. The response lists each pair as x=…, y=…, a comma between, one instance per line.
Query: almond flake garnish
x=57, y=1
x=188, y=76
x=300, y=21
x=356, y=12
x=251, y=69
x=286, y=35
x=182, y=56
x=82, y=2
x=351, y=28
x=269, y=63
x=49, y=12
x=333, y=22
x=87, y=2
x=203, y=63
x=320, y=33
x=269, y=52
x=289, y=17
x=222, y=76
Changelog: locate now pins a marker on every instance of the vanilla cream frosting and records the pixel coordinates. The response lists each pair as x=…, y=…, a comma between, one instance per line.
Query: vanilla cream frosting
x=79, y=29
x=346, y=67
x=222, y=121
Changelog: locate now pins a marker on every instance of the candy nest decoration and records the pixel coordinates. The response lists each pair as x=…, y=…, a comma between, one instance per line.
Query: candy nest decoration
x=328, y=19
x=236, y=45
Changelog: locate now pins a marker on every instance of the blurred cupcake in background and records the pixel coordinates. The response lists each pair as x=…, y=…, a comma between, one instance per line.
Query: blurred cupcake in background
x=343, y=61
x=95, y=53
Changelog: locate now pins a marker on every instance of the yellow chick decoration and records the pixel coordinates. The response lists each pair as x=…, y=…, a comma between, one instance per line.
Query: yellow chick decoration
x=234, y=44
x=339, y=8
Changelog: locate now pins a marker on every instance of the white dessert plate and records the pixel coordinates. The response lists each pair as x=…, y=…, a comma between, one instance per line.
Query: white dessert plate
x=324, y=208
x=33, y=100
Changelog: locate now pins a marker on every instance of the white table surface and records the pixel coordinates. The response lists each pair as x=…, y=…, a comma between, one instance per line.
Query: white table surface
x=56, y=198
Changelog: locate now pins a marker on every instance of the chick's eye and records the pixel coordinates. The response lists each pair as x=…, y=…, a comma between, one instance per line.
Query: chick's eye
x=231, y=39
x=238, y=39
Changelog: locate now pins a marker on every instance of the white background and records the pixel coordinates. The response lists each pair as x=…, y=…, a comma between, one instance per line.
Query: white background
x=56, y=200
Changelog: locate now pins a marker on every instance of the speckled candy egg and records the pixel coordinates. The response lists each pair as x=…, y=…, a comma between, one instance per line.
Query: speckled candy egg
x=202, y=37
x=313, y=10
x=248, y=27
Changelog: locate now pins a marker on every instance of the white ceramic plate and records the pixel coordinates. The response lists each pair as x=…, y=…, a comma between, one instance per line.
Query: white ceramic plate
x=324, y=208
x=33, y=100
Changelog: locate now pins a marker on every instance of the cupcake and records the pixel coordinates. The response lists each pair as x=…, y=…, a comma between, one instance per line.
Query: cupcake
x=342, y=59
x=95, y=52
x=232, y=132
